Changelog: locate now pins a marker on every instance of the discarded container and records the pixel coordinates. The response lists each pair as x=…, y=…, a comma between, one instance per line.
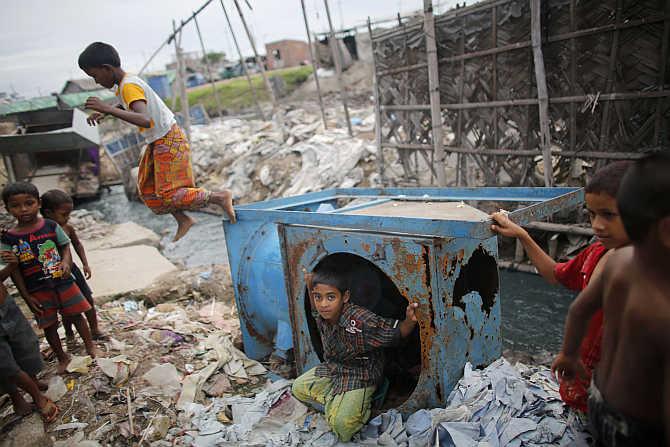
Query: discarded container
x=401, y=245
x=54, y=149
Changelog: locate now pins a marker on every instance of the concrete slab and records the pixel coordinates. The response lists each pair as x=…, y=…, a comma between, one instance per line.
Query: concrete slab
x=124, y=235
x=120, y=270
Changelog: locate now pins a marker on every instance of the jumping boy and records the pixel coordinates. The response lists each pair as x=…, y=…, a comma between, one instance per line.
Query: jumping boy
x=353, y=338
x=600, y=196
x=629, y=398
x=44, y=277
x=20, y=356
x=165, y=180
x=57, y=206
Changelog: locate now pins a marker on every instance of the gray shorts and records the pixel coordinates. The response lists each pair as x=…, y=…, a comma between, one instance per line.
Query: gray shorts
x=19, y=346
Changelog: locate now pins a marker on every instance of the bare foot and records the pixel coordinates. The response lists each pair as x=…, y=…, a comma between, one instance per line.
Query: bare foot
x=99, y=335
x=62, y=364
x=94, y=352
x=225, y=200
x=48, y=410
x=184, y=223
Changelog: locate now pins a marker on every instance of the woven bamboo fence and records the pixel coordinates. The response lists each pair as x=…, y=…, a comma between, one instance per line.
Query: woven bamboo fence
x=526, y=84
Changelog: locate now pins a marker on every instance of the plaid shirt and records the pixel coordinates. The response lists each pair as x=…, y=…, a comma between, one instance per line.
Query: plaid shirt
x=352, y=348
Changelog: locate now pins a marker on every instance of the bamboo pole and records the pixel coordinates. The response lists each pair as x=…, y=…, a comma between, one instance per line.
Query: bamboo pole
x=378, y=111
x=542, y=95
x=337, y=58
x=277, y=112
x=207, y=66
x=434, y=90
x=181, y=79
x=243, y=64
x=313, y=60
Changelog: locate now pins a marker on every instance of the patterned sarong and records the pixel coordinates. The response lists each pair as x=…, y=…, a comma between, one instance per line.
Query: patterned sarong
x=165, y=178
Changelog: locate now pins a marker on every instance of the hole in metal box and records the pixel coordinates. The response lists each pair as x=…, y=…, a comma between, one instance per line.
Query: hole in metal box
x=372, y=289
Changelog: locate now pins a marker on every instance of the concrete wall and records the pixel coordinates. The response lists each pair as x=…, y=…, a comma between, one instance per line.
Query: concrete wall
x=291, y=53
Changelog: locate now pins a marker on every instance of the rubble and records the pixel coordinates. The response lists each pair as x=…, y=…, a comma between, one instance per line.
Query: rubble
x=249, y=157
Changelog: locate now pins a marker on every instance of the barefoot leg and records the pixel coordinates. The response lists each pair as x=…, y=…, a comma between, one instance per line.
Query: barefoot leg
x=92, y=318
x=85, y=333
x=47, y=408
x=184, y=223
x=51, y=334
x=42, y=385
x=225, y=200
x=21, y=406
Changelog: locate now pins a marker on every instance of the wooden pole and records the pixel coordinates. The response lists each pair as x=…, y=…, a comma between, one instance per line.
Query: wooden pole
x=337, y=58
x=542, y=95
x=313, y=60
x=434, y=90
x=378, y=110
x=181, y=79
x=277, y=112
x=209, y=70
x=244, y=65
x=461, y=159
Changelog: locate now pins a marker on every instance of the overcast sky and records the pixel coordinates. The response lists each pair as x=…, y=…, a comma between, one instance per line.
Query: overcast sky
x=40, y=40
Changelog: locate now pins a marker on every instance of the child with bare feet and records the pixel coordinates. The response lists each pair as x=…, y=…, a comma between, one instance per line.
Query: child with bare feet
x=165, y=179
x=575, y=274
x=20, y=356
x=44, y=276
x=57, y=206
x=629, y=397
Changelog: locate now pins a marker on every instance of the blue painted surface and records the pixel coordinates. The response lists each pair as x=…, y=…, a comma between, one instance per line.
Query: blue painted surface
x=160, y=83
x=448, y=267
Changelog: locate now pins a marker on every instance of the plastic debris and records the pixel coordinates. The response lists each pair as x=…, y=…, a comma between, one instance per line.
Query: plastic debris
x=130, y=306
x=57, y=388
x=79, y=364
x=117, y=368
x=164, y=380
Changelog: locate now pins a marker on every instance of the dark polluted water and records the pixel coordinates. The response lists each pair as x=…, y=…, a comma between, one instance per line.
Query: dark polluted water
x=533, y=312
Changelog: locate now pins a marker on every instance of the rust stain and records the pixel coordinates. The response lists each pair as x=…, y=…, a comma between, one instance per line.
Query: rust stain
x=365, y=246
x=249, y=316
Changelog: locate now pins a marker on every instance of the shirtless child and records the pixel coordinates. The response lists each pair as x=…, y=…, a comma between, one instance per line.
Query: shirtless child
x=629, y=398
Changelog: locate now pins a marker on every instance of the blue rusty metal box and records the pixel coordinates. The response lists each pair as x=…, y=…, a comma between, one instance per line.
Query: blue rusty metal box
x=433, y=246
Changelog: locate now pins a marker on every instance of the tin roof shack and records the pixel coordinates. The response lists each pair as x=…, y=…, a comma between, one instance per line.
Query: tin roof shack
x=54, y=149
x=286, y=53
x=80, y=85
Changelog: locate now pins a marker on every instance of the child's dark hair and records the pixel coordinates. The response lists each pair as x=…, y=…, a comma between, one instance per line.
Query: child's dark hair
x=13, y=189
x=54, y=198
x=608, y=179
x=644, y=196
x=98, y=54
x=331, y=278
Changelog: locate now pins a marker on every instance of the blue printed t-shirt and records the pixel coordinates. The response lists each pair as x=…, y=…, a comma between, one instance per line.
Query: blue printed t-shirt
x=40, y=262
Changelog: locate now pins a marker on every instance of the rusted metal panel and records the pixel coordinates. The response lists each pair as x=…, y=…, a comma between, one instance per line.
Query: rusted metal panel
x=446, y=265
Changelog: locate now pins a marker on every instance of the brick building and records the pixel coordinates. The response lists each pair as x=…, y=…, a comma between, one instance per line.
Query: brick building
x=286, y=53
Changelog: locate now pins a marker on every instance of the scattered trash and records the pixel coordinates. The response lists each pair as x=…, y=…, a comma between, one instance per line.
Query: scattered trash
x=130, y=306
x=57, y=388
x=164, y=380
x=79, y=364
x=117, y=368
x=70, y=426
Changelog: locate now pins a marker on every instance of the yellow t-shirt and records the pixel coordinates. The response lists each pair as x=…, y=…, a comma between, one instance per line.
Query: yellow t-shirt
x=133, y=88
x=132, y=93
